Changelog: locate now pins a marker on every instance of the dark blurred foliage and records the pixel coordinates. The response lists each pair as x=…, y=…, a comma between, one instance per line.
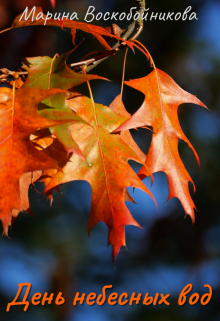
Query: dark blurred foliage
x=52, y=251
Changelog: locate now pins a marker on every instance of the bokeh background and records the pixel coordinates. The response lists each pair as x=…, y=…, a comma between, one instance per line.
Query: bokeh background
x=53, y=252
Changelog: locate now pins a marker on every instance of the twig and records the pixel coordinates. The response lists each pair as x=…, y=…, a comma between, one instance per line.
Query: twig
x=118, y=46
x=7, y=73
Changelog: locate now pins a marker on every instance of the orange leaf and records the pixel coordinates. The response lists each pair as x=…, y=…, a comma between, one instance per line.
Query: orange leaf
x=19, y=119
x=159, y=110
x=107, y=169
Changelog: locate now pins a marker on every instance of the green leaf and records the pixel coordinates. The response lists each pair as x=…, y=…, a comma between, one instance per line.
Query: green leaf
x=47, y=73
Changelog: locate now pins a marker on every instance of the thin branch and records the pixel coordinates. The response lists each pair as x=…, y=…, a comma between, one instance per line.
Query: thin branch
x=5, y=73
x=141, y=8
x=118, y=46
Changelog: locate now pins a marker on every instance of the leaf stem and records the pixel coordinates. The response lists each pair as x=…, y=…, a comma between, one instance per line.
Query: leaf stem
x=146, y=51
x=123, y=74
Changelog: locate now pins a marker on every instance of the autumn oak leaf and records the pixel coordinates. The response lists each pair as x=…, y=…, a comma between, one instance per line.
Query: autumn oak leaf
x=107, y=169
x=19, y=119
x=159, y=110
